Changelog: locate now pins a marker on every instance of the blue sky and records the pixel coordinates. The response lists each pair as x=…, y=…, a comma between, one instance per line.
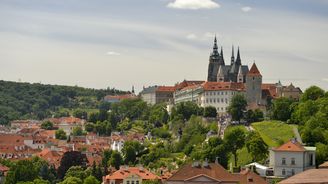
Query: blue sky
x=120, y=43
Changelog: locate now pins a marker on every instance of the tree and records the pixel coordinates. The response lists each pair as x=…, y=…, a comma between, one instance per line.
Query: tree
x=69, y=159
x=312, y=93
x=60, y=134
x=186, y=109
x=210, y=111
x=158, y=115
x=47, y=125
x=71, y=180
x=235, y=139
x=256, y=146
x=130, y=151
x=23, y=170
x=281, y=109
x=91, y=180
x=76, y=171
x=237, y=106
x=77, y=131
x=115, y=160
x=89, y=127
x=79, y=113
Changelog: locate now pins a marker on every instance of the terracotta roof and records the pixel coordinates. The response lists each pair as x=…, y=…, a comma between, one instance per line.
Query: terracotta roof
x=248, y=177
x=186, y=83
x=254, y=71
x=4, y=168
x=217, y=86
x=291, y=145
x=271, y=89
x=125, y=172
x=214, y=171
x=318, y=176
x=165, y=89
x=51, y=156
x=324, y=165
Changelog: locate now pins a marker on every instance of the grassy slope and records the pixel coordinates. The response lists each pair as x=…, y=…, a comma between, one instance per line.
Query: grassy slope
x=274, y=132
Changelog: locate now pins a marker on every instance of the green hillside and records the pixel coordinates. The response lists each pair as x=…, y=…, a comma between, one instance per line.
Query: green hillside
x=274, y=133
x=38, y=101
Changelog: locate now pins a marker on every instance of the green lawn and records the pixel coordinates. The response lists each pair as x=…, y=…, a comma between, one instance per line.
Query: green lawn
x=274, y=133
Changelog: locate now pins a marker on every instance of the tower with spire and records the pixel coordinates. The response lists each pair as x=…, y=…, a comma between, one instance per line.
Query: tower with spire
x=217, y=69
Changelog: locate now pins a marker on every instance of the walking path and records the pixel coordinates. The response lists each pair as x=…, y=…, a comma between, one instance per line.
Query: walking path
x=297, y=135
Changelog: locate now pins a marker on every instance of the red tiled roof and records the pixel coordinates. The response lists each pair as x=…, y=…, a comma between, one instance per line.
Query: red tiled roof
x=216, y=86
x=186, y=83
x=254, y=71
x=125, y=172
x=53, y=157
x=271, y=89
x=165, y=89
x=324, y=165
x=3, y=168
x=318, y=176
x=291, y=145
x=215, y=171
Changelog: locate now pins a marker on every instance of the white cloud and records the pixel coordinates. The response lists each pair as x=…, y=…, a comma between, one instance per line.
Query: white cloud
x=112, y=53
x=246, y=9
x=193, y=4
x=191, y=36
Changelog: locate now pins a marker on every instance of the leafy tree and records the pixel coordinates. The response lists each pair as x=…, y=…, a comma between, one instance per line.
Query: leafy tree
x=89, y=127
x=72, y=180
x=161, y=132
x=76, y=171
x=235, y=139
x=186, y=110
x=281, y=109
x=115, y=160
x=91, y=180
x=69, y=159
x=256, y=147
x=23, y=170
x=47, y=125
x=60, y=134
x=237, y=106
x=312, y=93
x=77, y=131
x=321, y=153
x=158, y=115
x=93, y=117
x=79, y=113
x=130, y=151
x=210, y=111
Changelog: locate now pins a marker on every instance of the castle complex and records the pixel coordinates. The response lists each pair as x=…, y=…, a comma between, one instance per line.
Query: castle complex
x=223, y=82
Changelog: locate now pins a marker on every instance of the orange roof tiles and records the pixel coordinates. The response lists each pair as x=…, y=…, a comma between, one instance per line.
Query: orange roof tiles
x=165, y=89
x=318, y=176
x=217, y=86
x=291, y=145
x=254, y=71
x=125, y=172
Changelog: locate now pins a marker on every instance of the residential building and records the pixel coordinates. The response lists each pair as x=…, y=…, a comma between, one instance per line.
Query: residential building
x=129, y=175
x=209, y=173
x=67, y=123
x=291, y=158
x=157, y=94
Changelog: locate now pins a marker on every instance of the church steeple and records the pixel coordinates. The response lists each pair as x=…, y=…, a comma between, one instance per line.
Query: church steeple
x=132, y=90
x=221, y=57
x=238, y=60
x=215, y=46
x=232, y=56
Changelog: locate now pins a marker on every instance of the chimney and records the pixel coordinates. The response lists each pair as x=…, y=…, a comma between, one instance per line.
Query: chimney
x=216, y=160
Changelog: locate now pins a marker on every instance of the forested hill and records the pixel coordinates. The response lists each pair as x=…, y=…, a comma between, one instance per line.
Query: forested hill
x=38, y=101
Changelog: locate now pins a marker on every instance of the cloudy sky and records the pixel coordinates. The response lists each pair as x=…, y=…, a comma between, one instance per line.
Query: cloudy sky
x=120, y=43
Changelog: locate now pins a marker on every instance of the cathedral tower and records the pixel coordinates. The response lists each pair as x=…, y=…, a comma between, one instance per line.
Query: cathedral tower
x=215, y=61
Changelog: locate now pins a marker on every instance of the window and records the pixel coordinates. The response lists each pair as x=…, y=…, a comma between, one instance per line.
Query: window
x=283, y=161
x=293, y=172
x=226, y=92
x=311, y=159
x=214, y=100
x=283, y=172
x=137, y=182
x=222, y=100
x=292, y=161
x=218, y=100
x=218, y=93
x=132, y=182
x=127, y=182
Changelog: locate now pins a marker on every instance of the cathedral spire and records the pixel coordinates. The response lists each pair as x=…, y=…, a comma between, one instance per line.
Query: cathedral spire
x=232, y=56
x=221, y=57
x=238, y=60
x=215, y=46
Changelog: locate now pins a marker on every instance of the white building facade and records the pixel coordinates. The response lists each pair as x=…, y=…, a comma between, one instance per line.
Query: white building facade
x=291, y=158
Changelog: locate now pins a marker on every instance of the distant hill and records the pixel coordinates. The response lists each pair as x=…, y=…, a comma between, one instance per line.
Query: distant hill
x=38, y=101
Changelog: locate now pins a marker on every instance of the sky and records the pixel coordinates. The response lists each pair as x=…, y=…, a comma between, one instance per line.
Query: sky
x=120, y=43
